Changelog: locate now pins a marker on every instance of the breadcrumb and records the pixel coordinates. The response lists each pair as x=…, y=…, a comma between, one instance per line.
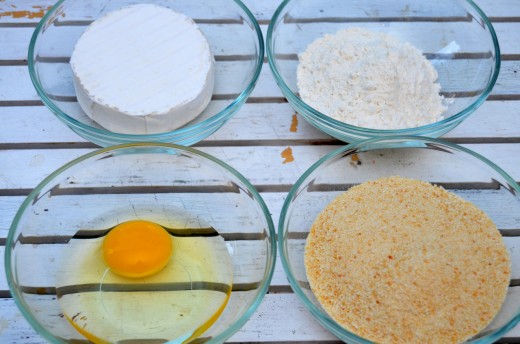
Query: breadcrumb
x=398, y=260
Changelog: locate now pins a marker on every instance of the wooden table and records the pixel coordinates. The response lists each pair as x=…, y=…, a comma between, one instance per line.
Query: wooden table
x=33, y=143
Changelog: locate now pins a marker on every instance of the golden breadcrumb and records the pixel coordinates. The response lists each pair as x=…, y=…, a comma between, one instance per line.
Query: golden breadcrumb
x=398, y=260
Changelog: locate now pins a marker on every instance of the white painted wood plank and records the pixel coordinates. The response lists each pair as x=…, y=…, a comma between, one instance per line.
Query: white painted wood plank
x=167, y=209
x=262, y=165
x=426, y=36
x=280, y=317
x=284, y=317
x=279, y=278
x=45, y=265
x=223, y=39
x=492, y=119
x=87, y=213
x=488, y=200
x=266, y=121
x=497, y=9
x=230, y=78
x=262, y=10
x=15, y=41
x=15, y=84
x=8, y=207
x=269, y=121
x=274, y=200
x=18, y=126
x=493, y=8
x=276, y=319
x=14, y=329
x=31, y=11
x=42, y=263
x=13, y=11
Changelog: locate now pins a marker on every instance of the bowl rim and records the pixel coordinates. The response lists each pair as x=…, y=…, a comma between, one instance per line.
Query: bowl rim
x=307, y=110
x=173, y=149
x=320, y=315
x=187, y=129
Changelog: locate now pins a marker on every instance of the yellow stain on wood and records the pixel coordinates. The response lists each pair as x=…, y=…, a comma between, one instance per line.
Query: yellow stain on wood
x=287, y=155
x=354, y=160
x=294, y=124
x=39, y=13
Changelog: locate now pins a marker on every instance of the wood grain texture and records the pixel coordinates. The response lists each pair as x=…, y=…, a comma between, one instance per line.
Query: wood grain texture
x=266, y=122
x=13, y=49
x=280, y=318
x=16, y=87
x=256, y=141
x=262, y=165
x=30, y=12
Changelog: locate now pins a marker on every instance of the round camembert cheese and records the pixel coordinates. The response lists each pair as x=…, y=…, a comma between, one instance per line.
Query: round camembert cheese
x=143, y=69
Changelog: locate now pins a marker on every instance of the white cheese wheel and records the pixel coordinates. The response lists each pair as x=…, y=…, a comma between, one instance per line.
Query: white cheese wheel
x=143, y=69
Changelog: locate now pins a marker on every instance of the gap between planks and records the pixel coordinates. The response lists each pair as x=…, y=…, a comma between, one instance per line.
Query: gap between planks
x=250, y=143
x=285, y=57
x=493, y=19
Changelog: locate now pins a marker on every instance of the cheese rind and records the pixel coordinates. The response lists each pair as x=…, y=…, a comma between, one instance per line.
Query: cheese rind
x=143, y=69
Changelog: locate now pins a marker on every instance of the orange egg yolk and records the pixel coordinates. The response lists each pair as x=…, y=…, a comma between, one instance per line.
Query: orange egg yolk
x=137, y=249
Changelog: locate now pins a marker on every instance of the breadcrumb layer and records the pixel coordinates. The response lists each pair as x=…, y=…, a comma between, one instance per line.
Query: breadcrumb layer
x=398, y=260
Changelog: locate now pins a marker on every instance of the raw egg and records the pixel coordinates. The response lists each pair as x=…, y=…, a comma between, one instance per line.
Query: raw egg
x=137, y=249
x=143, y=282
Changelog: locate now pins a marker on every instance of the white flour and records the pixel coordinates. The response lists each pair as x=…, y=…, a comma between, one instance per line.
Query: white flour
x=369, y=79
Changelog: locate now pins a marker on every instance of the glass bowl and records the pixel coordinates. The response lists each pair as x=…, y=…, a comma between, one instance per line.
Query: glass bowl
x=190, y=193
x=456, y=168
x=454, y=35
x=234, y=37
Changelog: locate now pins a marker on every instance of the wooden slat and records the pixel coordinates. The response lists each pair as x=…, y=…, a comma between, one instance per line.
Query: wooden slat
x=44, y=266
x=490, y=201
x=43, y=263
x=262, y=165
x=33, y=142
x=280, y=318
x=272, y=317
x=229, y=80
x=15, y=42
x=441, y=34
x=494, y=119
x=223, y=39
x=87, y=214
x=487, y=200
x=268, y=122
x=19, y=89
x=500, y=10
x=295, y=323
x=30, y=12
x=279, y=280
x=263, y=10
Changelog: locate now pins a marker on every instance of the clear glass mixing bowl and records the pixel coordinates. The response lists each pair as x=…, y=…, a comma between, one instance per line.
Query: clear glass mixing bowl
x=454, y=35
x=179, y=188
x=234, y=37
x=454, y=167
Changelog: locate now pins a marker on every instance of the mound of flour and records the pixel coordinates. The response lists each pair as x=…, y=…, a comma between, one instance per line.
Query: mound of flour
x=369, y=79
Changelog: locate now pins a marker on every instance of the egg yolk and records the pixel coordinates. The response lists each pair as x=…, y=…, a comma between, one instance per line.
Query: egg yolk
x=137, y=249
